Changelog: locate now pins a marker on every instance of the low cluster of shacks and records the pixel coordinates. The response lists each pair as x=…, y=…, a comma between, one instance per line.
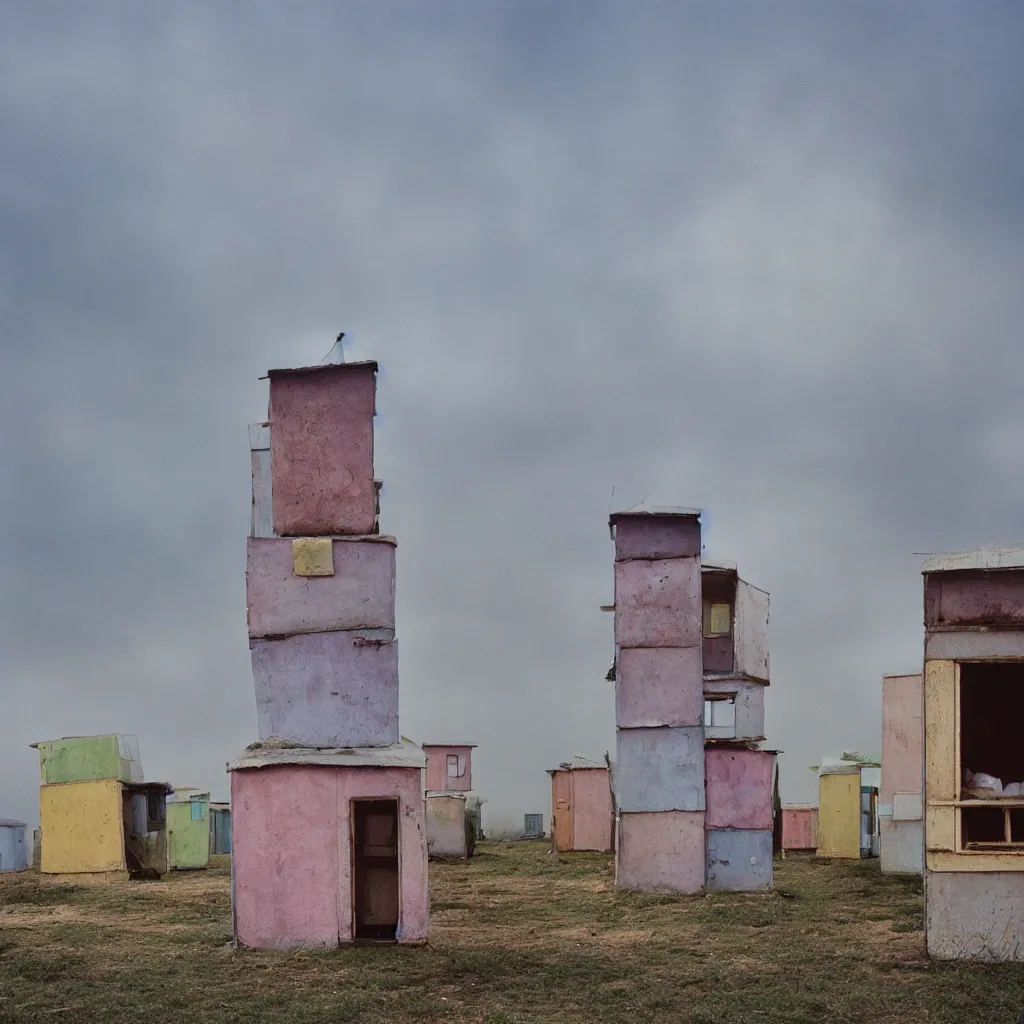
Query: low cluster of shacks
x=334, y=813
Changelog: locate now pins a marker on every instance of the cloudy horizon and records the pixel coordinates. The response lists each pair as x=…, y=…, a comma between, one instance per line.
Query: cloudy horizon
x=756, y=258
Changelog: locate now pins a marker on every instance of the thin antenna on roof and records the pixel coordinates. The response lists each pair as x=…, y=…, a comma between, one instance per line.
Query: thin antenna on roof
x=337, y=350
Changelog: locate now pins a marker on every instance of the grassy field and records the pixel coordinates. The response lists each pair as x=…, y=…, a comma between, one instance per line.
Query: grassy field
x=517, y=935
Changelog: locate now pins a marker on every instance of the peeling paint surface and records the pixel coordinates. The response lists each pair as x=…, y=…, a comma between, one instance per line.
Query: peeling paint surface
x=658, y=686
x=438, y=775
x=739, y=788
x=82, y=826
x=291, y=861
x=322, y=450
x=327, y=689
x=581, y=809
x=739, y=860
x=359, y=595
x=657, y=603
x=660, y=769
x=446, y=825
x=800, y=828
x=657, y=537
x=661, y=852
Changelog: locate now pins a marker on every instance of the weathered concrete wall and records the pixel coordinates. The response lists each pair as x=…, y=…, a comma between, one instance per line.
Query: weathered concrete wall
x=661, y=852
x=739, y=860
x=327, y=689
x=739, y=788
x=322, y=450
x=656, y=537
x=799, y=828
x=751, y=631
x=902, y=846
x=86, y=758
x=188, y=840
x=592, y=809
x=437, y=776
x=987, y=598
x=360, y=594
x=657, y=603
x=292, y=856
x=14, y=849
x=83, y=828
x=660, y=769
x=446, y=825
x=657, y=686
x=902, y=773
x=839, y=815
x=974, y=915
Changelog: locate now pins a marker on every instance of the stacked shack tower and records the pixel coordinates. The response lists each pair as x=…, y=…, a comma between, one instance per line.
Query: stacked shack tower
x=693, y=791
x=452, y=825
x=328, y=836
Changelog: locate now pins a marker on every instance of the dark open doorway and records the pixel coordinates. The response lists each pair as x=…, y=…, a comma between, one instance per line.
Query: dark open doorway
x=375, y=895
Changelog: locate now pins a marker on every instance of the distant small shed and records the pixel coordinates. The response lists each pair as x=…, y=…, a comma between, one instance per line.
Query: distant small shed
x=188, y=829
x=799, y=828
x=13, y=849
x=582, y=815
x=220, y=828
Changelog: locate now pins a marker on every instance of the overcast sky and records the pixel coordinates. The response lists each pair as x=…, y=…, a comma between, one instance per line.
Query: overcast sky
x=762, y=258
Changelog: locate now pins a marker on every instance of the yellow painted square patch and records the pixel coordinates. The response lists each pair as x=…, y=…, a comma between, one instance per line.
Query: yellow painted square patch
x=721, y=619
x=313, y=556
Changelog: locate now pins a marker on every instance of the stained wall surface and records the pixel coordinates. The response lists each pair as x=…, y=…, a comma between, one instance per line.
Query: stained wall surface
x=85, y=758
x=839, y=815
x=446, y=825
x=661, y=852
x=359, y=595
x=322, y=450
x=975, y=915
x=900, y=835
x=327, y=689
x=82, y=827
x=739, y=860
x=292, y=858
x=739, y=788
x=799, y=828
x=437, y=773
x=188, y=836
x=656, y=686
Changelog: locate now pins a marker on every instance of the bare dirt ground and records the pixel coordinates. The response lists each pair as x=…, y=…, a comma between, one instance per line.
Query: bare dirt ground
x=517, y=935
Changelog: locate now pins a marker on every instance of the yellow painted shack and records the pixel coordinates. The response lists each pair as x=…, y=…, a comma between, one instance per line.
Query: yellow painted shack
x=103, y=828
x=839, y=826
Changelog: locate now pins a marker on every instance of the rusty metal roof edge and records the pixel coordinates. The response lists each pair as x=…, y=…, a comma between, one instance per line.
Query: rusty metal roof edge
x=297, y=371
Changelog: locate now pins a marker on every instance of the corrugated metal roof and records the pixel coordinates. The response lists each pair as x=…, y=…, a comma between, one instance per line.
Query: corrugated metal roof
x=977, y=558
x=399, y=755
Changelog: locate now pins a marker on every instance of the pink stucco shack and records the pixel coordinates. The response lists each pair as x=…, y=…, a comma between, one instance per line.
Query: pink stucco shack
x=900, y=815
x=799, y=829
x=582, y=811
x=449, y=767
x=329, y=846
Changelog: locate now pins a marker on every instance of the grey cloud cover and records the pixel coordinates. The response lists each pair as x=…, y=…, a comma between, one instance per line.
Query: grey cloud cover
x=763, y=258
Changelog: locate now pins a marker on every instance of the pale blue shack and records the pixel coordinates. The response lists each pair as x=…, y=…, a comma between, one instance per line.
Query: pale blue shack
x=13, y=849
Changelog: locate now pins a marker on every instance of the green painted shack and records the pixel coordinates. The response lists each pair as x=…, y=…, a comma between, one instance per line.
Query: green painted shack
x=89, y=758
x=188, y=829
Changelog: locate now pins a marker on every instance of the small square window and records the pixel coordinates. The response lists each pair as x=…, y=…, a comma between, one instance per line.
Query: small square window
x=719, y=619
x=720, y=717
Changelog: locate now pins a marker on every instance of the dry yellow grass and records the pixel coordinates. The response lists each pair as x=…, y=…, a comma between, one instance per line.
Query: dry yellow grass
x=517, y=935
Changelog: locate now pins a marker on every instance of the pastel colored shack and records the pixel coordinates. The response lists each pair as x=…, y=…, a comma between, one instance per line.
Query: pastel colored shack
x=451, y=827
x=14, y=850
x=974, y=758
x=328, y=838
x=582, y=807
x=98, y=820
x=900, y=808
x=188, y=829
